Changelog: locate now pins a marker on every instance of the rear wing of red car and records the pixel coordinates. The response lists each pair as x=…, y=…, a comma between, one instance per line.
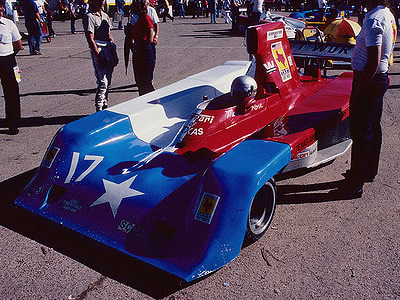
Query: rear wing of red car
x=317, y=50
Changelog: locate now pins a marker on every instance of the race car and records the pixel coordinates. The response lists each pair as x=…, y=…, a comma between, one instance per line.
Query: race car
x=312, y=16
x=292, y=26
x=183, y=177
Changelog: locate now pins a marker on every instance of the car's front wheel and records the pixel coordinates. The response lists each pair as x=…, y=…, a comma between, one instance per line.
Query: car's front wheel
x=261, y=212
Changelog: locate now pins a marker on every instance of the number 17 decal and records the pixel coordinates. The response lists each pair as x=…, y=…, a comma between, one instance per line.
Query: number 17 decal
x=74, y=163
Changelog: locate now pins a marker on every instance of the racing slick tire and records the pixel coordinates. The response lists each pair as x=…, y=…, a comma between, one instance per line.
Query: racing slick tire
x=261, y=212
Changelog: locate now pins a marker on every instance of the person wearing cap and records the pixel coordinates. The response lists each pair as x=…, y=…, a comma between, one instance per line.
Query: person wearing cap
x=10, y=44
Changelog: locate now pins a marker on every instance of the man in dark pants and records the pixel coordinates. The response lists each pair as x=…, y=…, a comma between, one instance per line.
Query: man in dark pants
x=370, y=59
x=10, y=44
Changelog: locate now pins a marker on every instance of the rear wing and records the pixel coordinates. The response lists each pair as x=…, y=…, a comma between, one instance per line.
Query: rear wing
x=317, y=50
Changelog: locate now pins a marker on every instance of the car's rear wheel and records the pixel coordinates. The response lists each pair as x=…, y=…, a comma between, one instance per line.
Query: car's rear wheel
x=261, y=212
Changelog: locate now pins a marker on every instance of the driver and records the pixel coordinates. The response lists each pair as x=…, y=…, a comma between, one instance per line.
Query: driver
x=243, y=87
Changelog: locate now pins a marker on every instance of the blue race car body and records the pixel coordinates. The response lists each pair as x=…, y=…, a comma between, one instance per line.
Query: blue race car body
x=178, y=181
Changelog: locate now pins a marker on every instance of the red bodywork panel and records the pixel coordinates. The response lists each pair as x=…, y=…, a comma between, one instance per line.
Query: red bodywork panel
x=288, y=108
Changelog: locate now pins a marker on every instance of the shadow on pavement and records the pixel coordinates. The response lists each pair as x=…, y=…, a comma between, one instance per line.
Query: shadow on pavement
x=211, y=33
x=83, y=92
x=41, y=121
x=105, y=260
x=307, y=193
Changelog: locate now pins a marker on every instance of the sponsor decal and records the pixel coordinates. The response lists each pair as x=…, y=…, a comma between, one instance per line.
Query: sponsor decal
x=275, y=34
x=205, y=118
x=49, y=157
x=72, y=205
x=269, y=67
x=281, y=61
x=305, y=143
x=230, y=113
x=129, y=227
x=195, y=131
x=289, y=58
x=194, y=119
x=126, y=226
x=257, y=106
x=206, y=209
x=302, y=155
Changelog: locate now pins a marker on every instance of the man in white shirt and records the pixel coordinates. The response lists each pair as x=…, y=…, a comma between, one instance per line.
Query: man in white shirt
x=10, y=44
x=369, y=62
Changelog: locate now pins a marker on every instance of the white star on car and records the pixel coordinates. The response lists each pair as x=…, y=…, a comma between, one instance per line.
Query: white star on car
x=115, y=192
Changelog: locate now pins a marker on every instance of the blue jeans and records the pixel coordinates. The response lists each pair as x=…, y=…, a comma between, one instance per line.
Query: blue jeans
x=34, y=37
x=213, y=20
x=181, y=10
x=103, y=75
x=366, y=106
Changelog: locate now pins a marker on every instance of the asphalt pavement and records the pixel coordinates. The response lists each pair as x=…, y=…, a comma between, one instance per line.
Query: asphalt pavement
x=316, y=248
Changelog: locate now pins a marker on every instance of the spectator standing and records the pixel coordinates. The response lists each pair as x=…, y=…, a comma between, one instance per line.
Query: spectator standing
x=61, y=10
x=97, y=26
x=196, y=9
x=235, y=6
x=142, y=33
x=32, y=24
x=156, y=27
x=40, y=6
x=181, y=8
x=219, y=7
x=120, y=4
x=8, y=10
x=321, y=8
x=72, y=13
x=225, y=10
x=10, y=44
x=204, y=8
x=370, y=58
x=49, y=20
x=212, y=7
x=256, y=11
